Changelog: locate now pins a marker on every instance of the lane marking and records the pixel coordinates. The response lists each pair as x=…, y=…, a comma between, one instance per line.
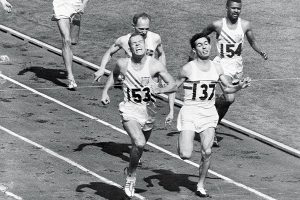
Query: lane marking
x=277, y=79
x=56, y=88
x=90, y=65
x=149, y=143
x=4, y=190
x=261, y=137
x=101, y=178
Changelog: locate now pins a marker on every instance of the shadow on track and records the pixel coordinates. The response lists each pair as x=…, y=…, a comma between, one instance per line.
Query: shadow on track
x=52, y=75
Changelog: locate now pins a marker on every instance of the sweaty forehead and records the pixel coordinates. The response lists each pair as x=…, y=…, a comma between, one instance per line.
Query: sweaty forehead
x=201, y=40
x=136, y=38
x=235, y=4
x=143, y=23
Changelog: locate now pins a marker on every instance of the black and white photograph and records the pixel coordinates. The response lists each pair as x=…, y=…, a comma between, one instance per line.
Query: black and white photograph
x=149, y=99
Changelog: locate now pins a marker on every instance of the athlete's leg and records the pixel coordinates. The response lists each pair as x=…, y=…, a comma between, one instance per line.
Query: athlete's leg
x=75, y=27
x=147, y=136
x=138, y=140
x=64, y=28
x=224, y=101
x=207, y=138
x=185, y=144
x=222, y=104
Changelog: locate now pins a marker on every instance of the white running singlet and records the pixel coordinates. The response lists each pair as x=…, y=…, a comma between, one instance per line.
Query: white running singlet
x=230, y=41
x=199, y=88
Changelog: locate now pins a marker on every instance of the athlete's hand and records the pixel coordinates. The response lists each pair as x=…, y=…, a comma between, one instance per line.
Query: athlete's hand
x=105, y=99
x=98, y=74
x=264, y=55
x=6, y=6
x=80, y=9
x=245, y=82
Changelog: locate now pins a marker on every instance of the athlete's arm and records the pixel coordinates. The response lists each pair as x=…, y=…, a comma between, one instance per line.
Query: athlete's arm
x=209, y=28
x=180, y=79
x=170, y=86
x=227, y=86
x=161, y=53
x=252, y=41
x=109, y=83
x=105, y=59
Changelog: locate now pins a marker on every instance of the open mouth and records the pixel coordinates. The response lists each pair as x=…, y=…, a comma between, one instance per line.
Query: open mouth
x=138, y=49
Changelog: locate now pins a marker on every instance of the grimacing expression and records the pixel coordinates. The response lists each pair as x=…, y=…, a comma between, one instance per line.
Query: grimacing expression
x=202, y=48
x=137, y=45
x=142, y=26
x=234, y=10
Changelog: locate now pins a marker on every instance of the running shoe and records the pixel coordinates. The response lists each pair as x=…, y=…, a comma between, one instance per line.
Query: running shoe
x=72, y=85
x=4, y=59
x=201, y=192
x=129, y=187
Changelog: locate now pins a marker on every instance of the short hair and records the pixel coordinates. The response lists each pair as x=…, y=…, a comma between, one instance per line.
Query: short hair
x=196, y=37
x=143, y=15
x=228, y=2
x=133, y=35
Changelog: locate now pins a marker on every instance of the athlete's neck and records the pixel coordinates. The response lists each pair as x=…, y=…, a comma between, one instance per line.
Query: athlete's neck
x=232, y=21
x=203, y=65
x=202, y=61
x=137, y=60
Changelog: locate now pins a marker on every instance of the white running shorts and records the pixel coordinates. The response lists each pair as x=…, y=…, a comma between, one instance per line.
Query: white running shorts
x=131, y=111
x=198, y=119
x=231, y=66
x=65, y=8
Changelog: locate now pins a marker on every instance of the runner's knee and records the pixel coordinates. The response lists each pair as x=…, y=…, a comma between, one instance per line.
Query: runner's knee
x=140, y=144
x=206, y=154
x=185, y=155
x=67, y=41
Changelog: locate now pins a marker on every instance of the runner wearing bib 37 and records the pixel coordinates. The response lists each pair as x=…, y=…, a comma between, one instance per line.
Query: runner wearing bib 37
x=198, y=113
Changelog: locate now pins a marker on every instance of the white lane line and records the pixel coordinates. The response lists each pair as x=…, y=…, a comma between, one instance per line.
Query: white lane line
x=55, y=88
x=277, y=79
x=261, y=137
x=101, y=178
x=83, y=62
x=4, y=190
x=149, y=143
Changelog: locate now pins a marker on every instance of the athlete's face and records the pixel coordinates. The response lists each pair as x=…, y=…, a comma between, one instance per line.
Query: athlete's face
x=137, y=45
x=202, y=48
x=233, y=10
x=142, y=26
